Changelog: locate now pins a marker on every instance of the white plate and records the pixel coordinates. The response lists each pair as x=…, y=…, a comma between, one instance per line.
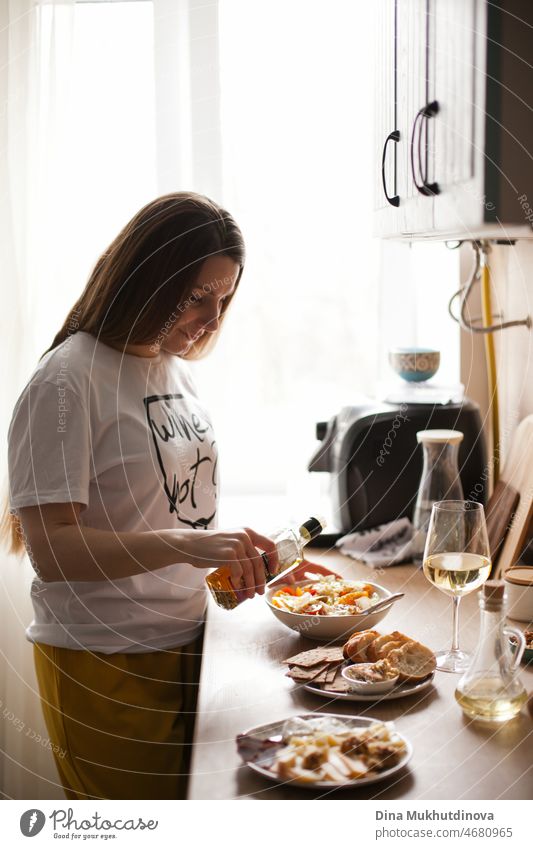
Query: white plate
x=274, y=728
x=398, y=692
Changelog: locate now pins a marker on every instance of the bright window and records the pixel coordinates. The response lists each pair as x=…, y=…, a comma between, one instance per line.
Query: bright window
x=320, y=301
x=97, y=148
x=297, y=147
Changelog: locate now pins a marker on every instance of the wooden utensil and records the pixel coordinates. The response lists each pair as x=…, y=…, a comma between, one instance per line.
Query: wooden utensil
x=501, y=506
x=518, y=473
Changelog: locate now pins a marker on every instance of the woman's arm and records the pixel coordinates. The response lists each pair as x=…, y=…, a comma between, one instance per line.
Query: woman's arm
x=63, y=550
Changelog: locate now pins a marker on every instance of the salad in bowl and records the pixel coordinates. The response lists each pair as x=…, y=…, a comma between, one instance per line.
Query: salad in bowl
x=327, y=607
x=329, y=595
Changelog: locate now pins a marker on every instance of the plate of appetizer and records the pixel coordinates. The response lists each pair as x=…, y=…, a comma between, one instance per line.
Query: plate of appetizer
x=328, y=607
x=325, y=751
x=369, y=667
x=399, y=691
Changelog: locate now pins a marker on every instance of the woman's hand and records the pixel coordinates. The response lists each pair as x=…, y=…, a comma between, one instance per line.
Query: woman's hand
x=299, y=574
x=234, y=548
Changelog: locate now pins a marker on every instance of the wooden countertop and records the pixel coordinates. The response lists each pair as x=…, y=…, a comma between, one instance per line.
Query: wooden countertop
x=243, y=684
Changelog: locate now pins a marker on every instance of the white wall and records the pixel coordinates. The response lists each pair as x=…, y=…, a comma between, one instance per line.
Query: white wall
x=512, y=296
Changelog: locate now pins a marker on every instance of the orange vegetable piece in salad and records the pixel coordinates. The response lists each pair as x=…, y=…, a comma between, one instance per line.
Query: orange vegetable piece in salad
x=349, y=598
x=287, y=590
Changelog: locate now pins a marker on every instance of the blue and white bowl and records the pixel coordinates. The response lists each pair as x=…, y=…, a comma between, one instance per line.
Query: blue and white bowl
x=414, y=364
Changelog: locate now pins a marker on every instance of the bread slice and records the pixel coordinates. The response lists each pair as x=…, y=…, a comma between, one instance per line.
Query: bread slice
x=363, y=649
x=375, y=647
x=351, y=644
x=400, y=638
x=387, y=647
x=377, y=651
x=355, y=648
x=413, y=661
x=351, y=648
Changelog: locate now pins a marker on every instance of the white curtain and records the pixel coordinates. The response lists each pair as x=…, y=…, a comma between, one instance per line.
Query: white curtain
x=187, y=96
x=103, y=106
x=32, y=133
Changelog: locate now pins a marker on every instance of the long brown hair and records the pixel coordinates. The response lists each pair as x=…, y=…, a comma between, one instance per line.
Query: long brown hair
x=145, y=274
x=151, y=268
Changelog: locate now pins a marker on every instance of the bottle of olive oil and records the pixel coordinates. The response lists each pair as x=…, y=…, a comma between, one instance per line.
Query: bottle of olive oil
x=289, y=542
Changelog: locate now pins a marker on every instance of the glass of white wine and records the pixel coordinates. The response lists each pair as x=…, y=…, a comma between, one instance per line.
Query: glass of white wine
x=457, y=561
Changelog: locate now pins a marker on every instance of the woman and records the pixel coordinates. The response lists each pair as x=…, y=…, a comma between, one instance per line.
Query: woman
x=113, y=493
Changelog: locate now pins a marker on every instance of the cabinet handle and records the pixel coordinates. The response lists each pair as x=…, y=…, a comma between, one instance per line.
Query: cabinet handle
x=395, y=137
x=425, y=188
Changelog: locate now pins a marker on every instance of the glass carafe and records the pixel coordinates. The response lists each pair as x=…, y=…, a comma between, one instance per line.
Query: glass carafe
x=440, y=481
x=491, y=690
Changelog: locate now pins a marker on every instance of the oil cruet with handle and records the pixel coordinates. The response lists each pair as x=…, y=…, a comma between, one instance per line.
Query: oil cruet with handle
x=491, y=689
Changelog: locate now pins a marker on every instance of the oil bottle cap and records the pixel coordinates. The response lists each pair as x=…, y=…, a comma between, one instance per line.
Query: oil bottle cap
x=454, y=437
x=494, y=591
x=314, y=526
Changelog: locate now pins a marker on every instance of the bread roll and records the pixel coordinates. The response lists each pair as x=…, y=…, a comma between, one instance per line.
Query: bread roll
x=354, y=649
x=413, y=661
x=378, y=649
x=398, y=637
x=387, y=647
x=375, y=645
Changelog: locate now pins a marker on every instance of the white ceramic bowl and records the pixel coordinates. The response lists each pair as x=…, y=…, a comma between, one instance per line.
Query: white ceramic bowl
x=328, y=627
x=519, y=590
x=367, y=687
x=414, y=364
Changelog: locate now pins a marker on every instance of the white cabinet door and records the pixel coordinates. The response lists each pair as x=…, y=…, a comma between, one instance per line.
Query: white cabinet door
x=459, y=124
x=416, y=90
x=455, y=80
x=386, y=205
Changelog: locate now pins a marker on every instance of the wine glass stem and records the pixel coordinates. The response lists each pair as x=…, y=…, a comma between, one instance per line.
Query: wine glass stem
x=455, y=643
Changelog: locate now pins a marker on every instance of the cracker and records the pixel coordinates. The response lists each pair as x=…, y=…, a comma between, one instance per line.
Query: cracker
x=332, y=672
x=338, y=686
x=329, y=674
x=321, y=678
x=314, y=656
x=305, y=674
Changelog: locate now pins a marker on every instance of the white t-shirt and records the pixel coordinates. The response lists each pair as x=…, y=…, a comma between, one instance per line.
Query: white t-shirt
x=127, y=437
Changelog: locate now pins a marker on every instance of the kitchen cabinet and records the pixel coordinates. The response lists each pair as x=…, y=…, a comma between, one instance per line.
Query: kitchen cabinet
x=386, y=116
x=454, y=82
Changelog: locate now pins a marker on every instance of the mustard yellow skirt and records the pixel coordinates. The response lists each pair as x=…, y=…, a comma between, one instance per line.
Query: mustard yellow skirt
x=121, y=725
